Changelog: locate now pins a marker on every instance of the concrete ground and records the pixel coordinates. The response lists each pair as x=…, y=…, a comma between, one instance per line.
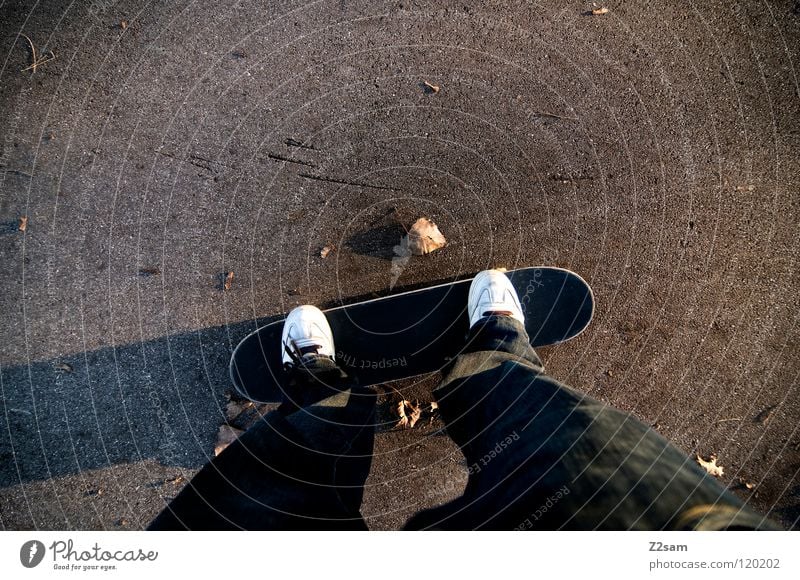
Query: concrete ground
x=655, y=150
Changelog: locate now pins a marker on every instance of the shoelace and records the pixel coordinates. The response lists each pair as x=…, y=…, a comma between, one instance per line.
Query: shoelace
x=298, y=353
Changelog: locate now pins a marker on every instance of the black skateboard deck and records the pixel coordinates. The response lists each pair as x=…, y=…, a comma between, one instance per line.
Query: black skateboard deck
x=416, y=332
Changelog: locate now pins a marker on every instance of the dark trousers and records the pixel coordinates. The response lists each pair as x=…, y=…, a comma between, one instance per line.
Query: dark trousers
x=540, y=455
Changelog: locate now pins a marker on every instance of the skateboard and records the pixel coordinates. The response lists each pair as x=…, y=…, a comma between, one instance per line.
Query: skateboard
x=415, y=332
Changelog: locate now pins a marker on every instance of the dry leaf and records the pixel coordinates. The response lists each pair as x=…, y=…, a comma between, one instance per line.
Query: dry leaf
x=711, y=465
x=409, y=414
x=599, y=11
x=23, y=223
x=432, y=88
x=325, y=251
x=123, y=24
x=424, y=237
x=63, y=367
x=433, y=411
x=178, y=479
x=235, y=408
x=228, y=281
x=148, y=272
x=764, y=416
x=225, y=436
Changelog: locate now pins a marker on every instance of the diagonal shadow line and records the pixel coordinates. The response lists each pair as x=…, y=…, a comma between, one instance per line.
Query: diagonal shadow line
x=162, y=399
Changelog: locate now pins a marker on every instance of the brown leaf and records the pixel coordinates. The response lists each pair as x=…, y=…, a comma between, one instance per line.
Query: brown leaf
x=225, y=436
x=149, y=272
x=123, y=24
x=599, y=11
x=711, y=465
x=235, y=408
x=228, y=281
x=325, y=251
x=23, y=223
x=177, y=480
x=431, y=88
x=409, y=414
x=63, y=367
x=424, y=237
x=764, y=416
x=433, y=411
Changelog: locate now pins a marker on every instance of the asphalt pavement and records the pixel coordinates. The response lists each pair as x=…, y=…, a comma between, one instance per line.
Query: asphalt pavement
x=155, y=147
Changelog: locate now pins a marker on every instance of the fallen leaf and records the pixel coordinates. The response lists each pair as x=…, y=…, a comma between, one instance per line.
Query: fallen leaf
x=235, y=408
x=424, y=237
x=711, y=465
x=409, y=414
x=599, y=11
x=148, y=271
x=178, y=479
x=123, y=24
x=228, y=281
x=63, y=367
x=225, y=436
x=325, y=251
x=431, y=88
x=23, y=223
x=764, y=416
x=433, y=411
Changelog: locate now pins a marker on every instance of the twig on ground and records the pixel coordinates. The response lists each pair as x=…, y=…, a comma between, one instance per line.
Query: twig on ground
x=37, y=61
x=553, y=115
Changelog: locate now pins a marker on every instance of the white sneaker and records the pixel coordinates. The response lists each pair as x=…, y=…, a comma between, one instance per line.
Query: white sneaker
x=492, y=292
x=306, y=332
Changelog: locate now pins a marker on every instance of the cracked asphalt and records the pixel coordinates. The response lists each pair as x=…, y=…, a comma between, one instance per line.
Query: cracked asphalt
x=655, y=150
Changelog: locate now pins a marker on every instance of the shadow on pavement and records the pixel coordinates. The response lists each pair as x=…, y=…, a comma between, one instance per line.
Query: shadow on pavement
x=162, y=399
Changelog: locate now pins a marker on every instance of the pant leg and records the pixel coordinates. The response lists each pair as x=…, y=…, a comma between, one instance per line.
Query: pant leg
x=541, y=455
x=301, y=467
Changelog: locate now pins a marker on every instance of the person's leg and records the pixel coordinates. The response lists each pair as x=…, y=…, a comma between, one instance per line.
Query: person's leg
x=541, y=455
x=301, y=467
